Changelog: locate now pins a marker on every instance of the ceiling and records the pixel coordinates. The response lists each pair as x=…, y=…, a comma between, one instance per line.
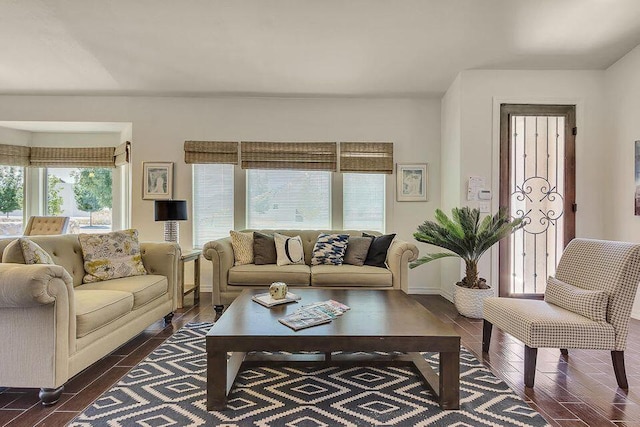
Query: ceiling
x=298, y=47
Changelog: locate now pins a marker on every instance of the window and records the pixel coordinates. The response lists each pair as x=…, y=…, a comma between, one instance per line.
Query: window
x=11, y=200
x=288, y=199
x=84, y=194
x=212, y=202
x=363, y=201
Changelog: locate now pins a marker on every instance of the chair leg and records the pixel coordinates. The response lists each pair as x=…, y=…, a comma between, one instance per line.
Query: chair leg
x=530, y=356
x=168, y=318
x=564, y=352
x=486, y=335
x=218, y=308
x=618, y=367
x=50, y=396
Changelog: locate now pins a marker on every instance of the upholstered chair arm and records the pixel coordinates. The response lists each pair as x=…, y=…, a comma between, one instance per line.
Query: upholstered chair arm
x=220, y=253
x=399, y=255
x=32, y=285
x=163, y=258
x=37, y=314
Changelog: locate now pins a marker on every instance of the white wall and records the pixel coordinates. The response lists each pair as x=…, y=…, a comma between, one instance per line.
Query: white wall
x=482, y=91
x=14, y=137
x=161, y=125
x=623, y=91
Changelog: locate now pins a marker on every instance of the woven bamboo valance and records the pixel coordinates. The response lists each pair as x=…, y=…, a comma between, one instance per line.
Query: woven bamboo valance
x=122, y=154
x=14, y=155
x=371, y=157
x=289, y=155
x=72, y=157
x=211, y=152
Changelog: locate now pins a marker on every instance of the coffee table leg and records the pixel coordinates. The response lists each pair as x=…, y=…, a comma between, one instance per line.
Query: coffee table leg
x=450, y=380
x=216, y=381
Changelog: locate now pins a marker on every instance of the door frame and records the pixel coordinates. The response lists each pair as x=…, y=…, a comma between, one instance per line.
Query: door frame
x=506, y=110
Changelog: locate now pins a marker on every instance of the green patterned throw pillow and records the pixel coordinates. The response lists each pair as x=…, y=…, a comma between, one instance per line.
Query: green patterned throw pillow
x=111, y=255
x=33, y=253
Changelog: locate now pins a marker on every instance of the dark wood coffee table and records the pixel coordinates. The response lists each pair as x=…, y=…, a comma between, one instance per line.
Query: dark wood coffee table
x=385, y=321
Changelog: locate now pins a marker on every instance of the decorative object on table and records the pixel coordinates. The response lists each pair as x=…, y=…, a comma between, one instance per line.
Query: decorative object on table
x=276, y=395
x=412, y=182
x=171, y=211
x=268, y=301
x=467, y=238
x=278, y=290
x=157, y=180
x=314, y=314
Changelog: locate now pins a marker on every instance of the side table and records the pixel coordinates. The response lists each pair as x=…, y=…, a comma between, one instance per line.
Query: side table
x=185, y=289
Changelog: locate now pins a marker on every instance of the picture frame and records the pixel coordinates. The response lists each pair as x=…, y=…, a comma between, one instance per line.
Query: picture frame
x=157, y=180
x=412, y=182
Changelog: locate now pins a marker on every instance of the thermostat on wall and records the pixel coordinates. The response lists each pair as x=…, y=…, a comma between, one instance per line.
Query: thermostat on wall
x=484, y=194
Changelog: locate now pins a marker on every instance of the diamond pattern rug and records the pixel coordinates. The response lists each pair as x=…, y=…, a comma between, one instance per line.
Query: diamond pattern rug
x=168, y=388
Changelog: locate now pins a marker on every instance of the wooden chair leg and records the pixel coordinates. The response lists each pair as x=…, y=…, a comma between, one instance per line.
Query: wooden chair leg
x=617, y=357
x=486, y=335
x=530, y=356
x=564, y=351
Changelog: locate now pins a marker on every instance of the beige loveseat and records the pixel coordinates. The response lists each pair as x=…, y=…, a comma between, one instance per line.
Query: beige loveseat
x=230, y=280
x=52, y=326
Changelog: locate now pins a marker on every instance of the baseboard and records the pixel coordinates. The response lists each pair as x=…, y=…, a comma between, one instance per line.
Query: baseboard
x=425, y=291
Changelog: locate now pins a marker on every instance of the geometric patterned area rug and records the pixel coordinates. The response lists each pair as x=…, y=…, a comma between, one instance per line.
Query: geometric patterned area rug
x=168, y=388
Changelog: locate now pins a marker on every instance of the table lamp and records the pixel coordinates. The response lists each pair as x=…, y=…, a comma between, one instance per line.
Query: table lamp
x=171, y=211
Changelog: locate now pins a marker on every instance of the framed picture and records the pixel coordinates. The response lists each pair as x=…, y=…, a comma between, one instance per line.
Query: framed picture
x=412, y=182
x=157, y=180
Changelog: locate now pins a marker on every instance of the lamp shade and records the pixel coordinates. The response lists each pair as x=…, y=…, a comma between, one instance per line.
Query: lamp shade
x=171, y=210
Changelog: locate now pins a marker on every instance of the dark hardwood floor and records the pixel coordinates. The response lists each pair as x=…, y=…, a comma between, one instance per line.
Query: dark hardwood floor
x=577, y=390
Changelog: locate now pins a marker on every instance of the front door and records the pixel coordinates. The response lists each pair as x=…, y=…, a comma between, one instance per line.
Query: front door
x=537, y=183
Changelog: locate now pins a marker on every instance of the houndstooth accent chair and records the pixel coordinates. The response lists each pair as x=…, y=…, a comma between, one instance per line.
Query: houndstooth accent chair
x=612, y=267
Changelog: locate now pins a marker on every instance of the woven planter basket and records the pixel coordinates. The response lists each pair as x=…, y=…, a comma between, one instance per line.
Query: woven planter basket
x=469, y=301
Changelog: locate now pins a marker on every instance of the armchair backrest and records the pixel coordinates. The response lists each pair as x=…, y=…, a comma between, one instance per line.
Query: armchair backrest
x=613, y=267
x=46, y=225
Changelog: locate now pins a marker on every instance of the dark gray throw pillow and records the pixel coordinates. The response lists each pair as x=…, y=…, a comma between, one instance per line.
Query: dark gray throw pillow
x=377, y=254
x=264, y=249
x=357, y=250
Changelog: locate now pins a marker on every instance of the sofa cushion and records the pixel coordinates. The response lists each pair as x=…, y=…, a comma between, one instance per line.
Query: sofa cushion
x=97, y=308
x=357, y=250
x=242, y=244
x=144, y=288
x=289, y=249
x=111, y=255
x=377, y=255
x=591, y=304
x=264, y=249
x=329, y=249
x=266, y=274
x=350, y=275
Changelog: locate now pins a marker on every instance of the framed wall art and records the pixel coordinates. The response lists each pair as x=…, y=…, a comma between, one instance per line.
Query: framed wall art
x=157, y=180
x=412, y=182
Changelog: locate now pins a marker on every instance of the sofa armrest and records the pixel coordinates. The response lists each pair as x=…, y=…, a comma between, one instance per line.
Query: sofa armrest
x=220, y=253
x=163, y=258
x=399, y=255
x=32, y=285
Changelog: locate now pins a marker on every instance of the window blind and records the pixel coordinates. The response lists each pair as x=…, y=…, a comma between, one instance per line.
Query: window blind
x=289, y=155
x=363, y=201
x=76, y=157
x=14, y=155
x=122, y=154
x=223, y=152
x=371, y=157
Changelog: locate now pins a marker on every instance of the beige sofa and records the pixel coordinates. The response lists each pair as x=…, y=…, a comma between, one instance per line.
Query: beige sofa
x=52, y=326
x=230, y=280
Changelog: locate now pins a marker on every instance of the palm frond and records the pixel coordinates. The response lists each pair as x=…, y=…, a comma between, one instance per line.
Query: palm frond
x=430, y=257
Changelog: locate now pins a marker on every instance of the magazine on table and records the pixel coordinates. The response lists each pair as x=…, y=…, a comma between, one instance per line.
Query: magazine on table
x=268, y=301
x=314, y=314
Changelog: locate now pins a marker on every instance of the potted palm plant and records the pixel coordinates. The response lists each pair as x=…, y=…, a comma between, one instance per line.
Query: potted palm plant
x=466, y=237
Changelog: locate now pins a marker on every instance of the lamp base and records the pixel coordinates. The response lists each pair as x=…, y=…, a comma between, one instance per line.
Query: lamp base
x=171, y=231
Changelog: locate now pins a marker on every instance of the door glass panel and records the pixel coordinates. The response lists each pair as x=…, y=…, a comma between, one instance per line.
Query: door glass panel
x=536, y=188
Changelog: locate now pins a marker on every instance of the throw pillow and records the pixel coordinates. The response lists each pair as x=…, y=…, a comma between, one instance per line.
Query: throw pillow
x=242, y=244
x=264, y=249
x=33, y=253
x=377, y=254
x=357, y=250
x=588, y=303
x=289, y=249
x=111, y=255
x=329, y=249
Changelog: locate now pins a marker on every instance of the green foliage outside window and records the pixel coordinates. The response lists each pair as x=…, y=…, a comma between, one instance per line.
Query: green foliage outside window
x=11, y=193
x=54, y=199
x=92, y=190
